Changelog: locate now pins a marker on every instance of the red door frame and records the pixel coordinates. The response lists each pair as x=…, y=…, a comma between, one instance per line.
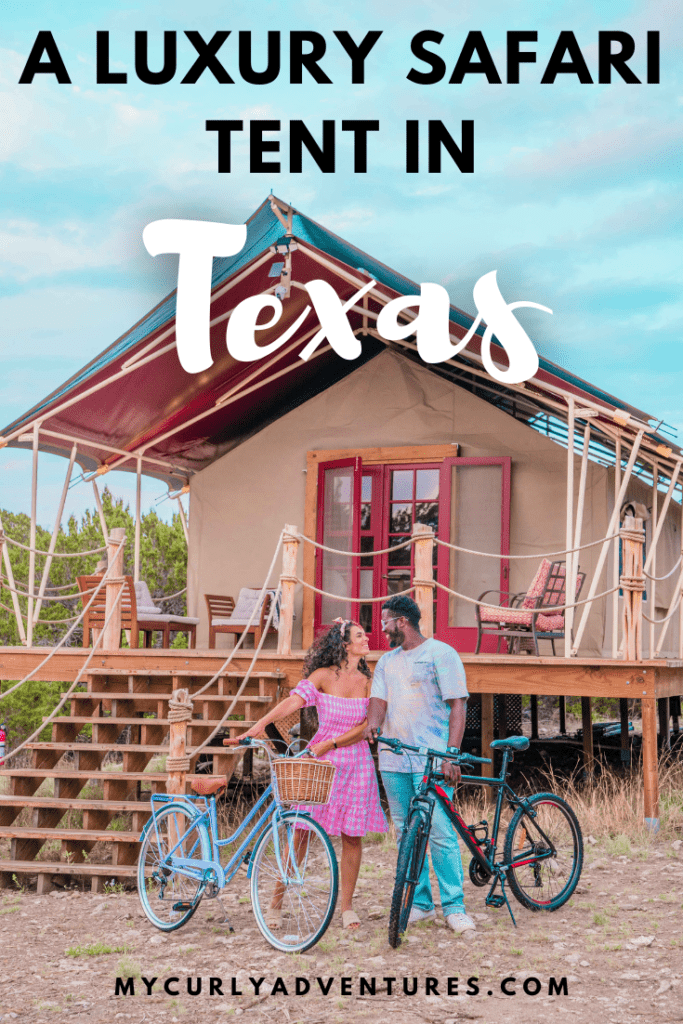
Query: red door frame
x=463, y=638
x=357, y=464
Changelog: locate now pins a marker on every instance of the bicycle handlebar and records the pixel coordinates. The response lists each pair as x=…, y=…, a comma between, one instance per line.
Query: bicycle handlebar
x=399, y=747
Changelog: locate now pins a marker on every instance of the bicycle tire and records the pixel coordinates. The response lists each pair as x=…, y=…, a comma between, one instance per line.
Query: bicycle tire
x=307, y=907
x=168, y=898
x=408, y=865
x=544, y=884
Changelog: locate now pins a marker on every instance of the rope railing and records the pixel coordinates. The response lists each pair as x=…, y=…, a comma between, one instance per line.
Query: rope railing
x=548, y=609
x=658, y=622
x=46, y=600
x=54, y=554
x=53, y=650
x=353, y=554
x=658, y=579
x=358, y=600
x=55, y=712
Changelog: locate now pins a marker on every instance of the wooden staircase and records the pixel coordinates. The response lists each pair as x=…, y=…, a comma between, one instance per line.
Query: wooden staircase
x=127, y=711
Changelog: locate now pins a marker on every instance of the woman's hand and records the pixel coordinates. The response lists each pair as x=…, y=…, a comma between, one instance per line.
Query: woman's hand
x=322, y=748
x=255, y=731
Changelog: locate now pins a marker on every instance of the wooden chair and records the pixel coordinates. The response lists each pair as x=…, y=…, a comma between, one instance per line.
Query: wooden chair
x=134, y=619
x=529, y=616
x=227, y=617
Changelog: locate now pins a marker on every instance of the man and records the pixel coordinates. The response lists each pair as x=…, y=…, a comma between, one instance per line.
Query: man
x=419, y=696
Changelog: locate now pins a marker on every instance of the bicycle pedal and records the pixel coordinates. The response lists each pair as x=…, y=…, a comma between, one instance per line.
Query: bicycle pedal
x=183, y=905
x=495, y=901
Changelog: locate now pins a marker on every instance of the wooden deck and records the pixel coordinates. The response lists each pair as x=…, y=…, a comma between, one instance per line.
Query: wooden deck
x=130, y=688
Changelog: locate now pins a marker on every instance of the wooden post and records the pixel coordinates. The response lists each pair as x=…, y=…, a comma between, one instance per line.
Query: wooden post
x=650, y=777
x=487, y=732
x=111, y=639
x=535, y=716
x=625, y=738
x=177, y=762
x=587, y=726
x=290, y=549
x=664, y=711
x=423, y=580
x=633, y=584
x=562, y=703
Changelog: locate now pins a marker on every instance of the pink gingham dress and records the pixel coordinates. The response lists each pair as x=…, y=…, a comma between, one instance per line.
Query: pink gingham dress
x=354, y=806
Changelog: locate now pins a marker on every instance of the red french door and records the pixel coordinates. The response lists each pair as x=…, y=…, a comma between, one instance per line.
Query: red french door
x=466, y=501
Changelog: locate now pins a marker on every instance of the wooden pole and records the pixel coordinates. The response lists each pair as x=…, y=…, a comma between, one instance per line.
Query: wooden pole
x=615, y=553
x=423, y=580
x=4, y=551
x=534, y=716
x=587, y=726
x=569, y=517
x=650, y=777
x=178, y=762
x=138, y=521
x=572, y=562
x=633, y=584
x=625, y=738
x=652, y=585
x=55, y=534
x=32, y=538
x=487, y=732
x=562, y=706
x=290, y=549
x=664, y=711
x=111, y=639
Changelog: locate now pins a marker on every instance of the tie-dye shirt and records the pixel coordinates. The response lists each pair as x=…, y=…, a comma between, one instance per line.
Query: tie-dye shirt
x=416, y=685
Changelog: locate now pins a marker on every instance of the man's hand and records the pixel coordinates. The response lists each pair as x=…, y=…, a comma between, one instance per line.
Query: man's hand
x=451, y=772
x=377, y=710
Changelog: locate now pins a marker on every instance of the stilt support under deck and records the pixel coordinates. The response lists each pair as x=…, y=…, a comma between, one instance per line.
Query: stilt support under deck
x=487, y=732
x=562, y=705
x=625, y=738
x=664, y=712
x=650, y=777
x=534, y=716
x=587, y=726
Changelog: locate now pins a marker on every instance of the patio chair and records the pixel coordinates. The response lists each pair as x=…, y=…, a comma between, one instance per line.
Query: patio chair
x=528, y=616
x=138, y=614
x=227, y=617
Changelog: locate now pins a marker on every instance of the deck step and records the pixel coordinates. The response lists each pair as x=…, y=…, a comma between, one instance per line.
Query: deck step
x=133, y=695
x=65, y=773
x=79, y=834
x=123, y=722
x=49, y=867
x=77, y=804
x=184, y=674
x=131, y=748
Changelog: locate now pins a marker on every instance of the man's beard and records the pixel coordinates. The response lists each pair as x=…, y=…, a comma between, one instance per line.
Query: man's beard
x=396, y=638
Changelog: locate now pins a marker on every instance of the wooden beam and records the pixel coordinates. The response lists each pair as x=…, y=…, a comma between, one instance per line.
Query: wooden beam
x=650, y=776
x=424, y=592
x=487, y=732
x=625, y=737
x=290, y=549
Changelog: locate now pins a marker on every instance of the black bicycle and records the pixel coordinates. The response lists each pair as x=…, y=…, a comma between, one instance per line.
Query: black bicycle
x=542, y=853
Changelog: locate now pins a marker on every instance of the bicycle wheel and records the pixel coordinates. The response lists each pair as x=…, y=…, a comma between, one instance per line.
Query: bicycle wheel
x=170, y=898
x=305, y=892
x=411, y=856
x=548, y=882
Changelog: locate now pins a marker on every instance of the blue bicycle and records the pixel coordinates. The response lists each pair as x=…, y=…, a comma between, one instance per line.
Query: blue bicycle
x=292, y=868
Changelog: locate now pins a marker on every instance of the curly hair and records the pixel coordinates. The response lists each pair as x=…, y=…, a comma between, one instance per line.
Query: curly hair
x=328, y=650
x=403, y=606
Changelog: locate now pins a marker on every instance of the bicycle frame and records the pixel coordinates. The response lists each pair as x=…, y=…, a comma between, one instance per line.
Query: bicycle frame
x=430, y=792
x=201, y=870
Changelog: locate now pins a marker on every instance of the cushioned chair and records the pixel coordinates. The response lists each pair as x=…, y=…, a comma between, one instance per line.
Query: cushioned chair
x=529, y=617
x=138, y=613
x=227, y=617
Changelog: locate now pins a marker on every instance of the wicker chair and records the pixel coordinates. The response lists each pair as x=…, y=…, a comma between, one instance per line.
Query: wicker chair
x=529, y=617
x=227, y=617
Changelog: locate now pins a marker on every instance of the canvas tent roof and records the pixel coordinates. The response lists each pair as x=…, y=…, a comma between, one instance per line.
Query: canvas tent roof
x=135, y=398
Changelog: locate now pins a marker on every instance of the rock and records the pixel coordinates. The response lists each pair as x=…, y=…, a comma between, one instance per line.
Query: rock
x=677, y=844
x=376, y=914
x=643, y=940
x=584, y=963
x=487, y=963
x=591, y=840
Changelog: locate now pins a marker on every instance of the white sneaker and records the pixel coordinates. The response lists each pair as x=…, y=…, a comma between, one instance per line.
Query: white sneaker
x=460, y=923
x=422, y=915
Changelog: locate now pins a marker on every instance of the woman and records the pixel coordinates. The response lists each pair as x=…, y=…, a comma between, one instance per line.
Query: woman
x=337, y=682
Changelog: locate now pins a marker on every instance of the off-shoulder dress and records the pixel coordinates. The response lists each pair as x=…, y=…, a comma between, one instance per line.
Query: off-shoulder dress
x=354, y=807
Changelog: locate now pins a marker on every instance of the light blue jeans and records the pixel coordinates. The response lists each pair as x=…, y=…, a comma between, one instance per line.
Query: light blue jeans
x=443, y=846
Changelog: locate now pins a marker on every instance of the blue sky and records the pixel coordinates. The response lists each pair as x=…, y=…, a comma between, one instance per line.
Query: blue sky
x=575, y=197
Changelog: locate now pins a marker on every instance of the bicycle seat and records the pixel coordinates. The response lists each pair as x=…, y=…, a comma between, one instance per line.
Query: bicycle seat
x=208, y=786
x=511, y=743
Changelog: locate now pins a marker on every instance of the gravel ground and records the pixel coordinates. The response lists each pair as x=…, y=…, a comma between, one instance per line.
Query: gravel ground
x=617, y=944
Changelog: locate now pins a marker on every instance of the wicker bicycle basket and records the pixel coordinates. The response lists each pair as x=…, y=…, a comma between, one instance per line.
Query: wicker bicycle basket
x=304, y=780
